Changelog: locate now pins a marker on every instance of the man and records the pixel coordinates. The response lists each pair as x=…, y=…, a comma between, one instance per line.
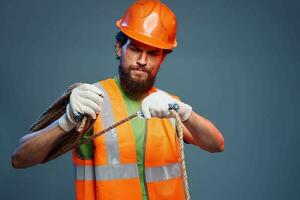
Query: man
x=138, y=160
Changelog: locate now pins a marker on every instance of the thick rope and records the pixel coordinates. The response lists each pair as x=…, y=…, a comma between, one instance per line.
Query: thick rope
x=54, y=112
x=179, y=130
x=90, y=138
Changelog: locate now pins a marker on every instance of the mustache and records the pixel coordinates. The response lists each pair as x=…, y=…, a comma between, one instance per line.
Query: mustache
x=140, y=69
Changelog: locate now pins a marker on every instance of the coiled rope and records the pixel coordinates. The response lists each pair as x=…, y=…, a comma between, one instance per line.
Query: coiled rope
x=76, y=136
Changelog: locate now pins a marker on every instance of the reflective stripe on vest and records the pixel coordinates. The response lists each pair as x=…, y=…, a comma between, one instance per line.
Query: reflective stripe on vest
x=154, y=174
x=107, y=172
x=126, y=171
x=113, y=156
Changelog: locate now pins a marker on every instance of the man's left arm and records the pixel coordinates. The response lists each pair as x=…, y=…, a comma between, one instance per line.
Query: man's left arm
x=197, y=130
x=201, y=132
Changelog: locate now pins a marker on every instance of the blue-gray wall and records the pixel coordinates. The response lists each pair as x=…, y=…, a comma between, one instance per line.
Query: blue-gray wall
x=237, y=63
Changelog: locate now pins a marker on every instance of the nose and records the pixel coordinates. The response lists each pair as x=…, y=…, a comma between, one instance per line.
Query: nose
x=142, y=60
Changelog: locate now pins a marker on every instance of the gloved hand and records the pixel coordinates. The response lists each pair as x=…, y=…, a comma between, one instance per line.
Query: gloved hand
x=157, y=105
x=85, y=99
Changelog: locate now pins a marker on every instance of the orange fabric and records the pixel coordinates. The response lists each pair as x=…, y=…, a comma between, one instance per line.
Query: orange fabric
x=161, y=144
x=85, y=190
x=168, y=190
x=119, y=189
x=81, y=162
x=124, y=132
x=100, y=147
x=150, y=22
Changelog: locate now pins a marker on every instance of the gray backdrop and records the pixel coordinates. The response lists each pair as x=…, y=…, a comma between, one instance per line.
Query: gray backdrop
x=237, y=63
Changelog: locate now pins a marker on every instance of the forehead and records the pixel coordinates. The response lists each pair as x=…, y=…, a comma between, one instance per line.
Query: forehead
x=140, y=45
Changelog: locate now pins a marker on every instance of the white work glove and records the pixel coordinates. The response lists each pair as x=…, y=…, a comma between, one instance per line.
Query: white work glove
x=86, y=99
x=157, y=105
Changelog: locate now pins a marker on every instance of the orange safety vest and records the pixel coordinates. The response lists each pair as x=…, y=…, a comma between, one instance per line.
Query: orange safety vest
x=113, y=173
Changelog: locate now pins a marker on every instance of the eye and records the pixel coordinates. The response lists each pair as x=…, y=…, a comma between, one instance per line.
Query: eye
x=134, y=49
x=154, y=53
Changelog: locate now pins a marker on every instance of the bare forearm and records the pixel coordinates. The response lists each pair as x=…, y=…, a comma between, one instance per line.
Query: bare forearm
x=203, y=133
x=35, y=146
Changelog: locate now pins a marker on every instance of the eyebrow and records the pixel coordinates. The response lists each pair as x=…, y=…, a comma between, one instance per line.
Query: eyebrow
x=155, y=51
x=132, y=45
x=151, y=51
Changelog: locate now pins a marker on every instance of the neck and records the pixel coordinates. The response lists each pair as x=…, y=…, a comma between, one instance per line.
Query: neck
x=134, y=90
x=133, y=96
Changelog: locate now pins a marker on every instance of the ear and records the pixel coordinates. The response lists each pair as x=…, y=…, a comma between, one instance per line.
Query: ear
x=163, y=58
x=118, y=49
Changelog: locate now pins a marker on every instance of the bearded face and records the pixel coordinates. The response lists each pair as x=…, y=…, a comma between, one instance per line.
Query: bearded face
x=135, y=86
x=139, y=64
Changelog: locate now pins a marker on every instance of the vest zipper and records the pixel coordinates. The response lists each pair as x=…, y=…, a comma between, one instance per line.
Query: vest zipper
x=145, y=181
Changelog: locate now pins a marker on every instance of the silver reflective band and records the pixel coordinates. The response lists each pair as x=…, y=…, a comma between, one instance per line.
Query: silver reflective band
x=154, y=174
x=111, y=138
x=106, y=172
x=84, y=173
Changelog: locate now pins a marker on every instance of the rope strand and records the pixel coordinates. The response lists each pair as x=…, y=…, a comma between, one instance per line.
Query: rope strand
x=179, y=129
x=88, y=139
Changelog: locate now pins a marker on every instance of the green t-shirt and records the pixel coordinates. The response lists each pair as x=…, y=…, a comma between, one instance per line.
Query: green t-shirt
x=139, y=129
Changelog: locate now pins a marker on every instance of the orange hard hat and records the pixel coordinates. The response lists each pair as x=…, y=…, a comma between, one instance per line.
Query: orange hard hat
x=150, y=22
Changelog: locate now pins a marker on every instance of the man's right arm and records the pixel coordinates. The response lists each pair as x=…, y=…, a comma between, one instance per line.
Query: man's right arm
x=34, y=147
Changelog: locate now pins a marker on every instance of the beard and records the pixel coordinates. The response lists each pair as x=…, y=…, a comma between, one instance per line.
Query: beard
x=136, y=89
